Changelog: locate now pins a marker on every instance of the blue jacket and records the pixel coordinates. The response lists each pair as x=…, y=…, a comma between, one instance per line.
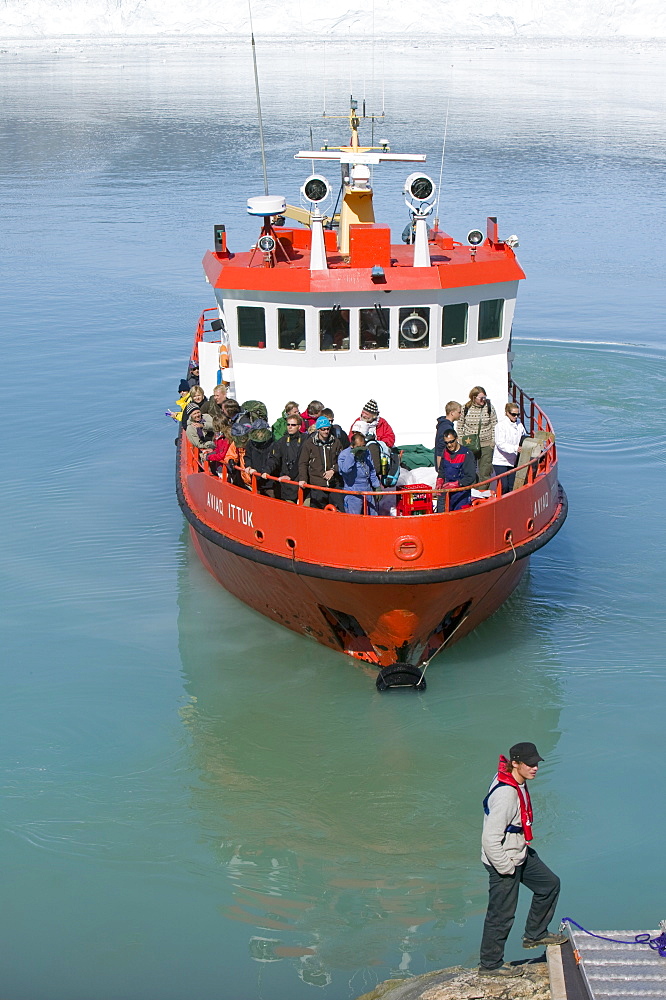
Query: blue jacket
x=357, y=473
x=443, y=425
x=459, y=467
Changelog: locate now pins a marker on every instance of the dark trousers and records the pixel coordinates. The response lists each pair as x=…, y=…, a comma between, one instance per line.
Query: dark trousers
x=320, y=498
x=457, y=500
x=502, y=902
x=507, y=481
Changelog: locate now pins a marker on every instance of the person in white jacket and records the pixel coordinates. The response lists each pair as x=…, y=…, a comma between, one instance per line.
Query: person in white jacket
x=509, y=432
x=509, y=860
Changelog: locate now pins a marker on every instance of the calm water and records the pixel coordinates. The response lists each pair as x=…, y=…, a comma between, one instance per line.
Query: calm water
x=195, y=802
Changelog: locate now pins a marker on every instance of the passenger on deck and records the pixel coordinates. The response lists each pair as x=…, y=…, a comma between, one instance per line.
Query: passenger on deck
x=182, y=401
x=196, y=401
x=509, y=435
x=336, y=430
x=311, y=414
x=457, y=468
x=222, y=442
x=358, y=473
x=280, y=425
x=452, y=412
x=213, y=405
x=371, y=425
x=286, y=453
x=193, y=373
x=200, y=431
x=479, y=418
x=317, y=465
x=231, y=408
x=259, y=456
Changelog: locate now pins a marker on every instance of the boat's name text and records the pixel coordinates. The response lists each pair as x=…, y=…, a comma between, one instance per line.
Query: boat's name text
x=541, y=504
x=233, y=512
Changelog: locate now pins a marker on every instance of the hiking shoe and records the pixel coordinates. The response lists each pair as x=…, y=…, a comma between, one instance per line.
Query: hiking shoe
x=545, y=940
x=504, y=971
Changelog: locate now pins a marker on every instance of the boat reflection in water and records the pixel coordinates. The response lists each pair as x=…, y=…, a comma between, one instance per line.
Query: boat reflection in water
x=348, y=827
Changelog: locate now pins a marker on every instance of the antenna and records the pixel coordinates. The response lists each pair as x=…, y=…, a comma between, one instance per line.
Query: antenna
x=256, y=87
x=383, y=80
x=441, y=168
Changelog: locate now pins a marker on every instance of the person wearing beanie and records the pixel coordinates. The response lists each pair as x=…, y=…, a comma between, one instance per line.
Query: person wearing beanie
x=199, y=432
x=181, y=402
x=509, y=860
x=317, y=465
x=336, y=429
x=372, y=426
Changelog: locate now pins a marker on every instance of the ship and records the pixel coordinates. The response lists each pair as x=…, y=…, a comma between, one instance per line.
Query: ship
x=325, y=305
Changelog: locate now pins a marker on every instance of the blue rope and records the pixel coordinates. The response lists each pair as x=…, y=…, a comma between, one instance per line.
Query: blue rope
x=657, y=943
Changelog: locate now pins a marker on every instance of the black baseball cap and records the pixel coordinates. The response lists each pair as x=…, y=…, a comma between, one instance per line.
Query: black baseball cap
x=526, y=753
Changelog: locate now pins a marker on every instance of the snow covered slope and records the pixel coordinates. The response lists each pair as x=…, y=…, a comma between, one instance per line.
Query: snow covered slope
x=603, y=19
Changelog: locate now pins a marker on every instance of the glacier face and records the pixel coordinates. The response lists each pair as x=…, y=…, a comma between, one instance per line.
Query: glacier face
x=419, y=19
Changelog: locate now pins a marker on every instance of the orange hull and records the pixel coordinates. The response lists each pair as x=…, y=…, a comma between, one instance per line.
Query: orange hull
x=351, y=583
x=398, y=623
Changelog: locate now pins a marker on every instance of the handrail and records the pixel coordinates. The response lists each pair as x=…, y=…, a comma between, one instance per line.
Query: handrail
x=537, y=466
x=541, y=423
x=200, y=331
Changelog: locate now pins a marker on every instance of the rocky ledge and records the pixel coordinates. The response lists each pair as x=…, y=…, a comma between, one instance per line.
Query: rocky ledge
x=464, y=984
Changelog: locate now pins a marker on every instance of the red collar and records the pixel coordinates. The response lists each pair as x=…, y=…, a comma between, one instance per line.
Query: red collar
x=505, y=777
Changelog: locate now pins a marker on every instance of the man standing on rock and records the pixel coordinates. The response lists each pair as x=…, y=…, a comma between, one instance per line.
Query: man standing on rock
x=509, y=860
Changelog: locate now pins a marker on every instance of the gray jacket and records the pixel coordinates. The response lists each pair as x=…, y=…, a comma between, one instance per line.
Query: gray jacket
x=504, y=851
x=192, y=432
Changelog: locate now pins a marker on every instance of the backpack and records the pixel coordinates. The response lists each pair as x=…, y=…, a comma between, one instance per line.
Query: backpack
x=240, y=428
x=392, y=474
x=389, y=462
x=251, y=423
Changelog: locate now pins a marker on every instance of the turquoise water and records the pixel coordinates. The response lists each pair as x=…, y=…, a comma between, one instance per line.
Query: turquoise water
x=196, y=802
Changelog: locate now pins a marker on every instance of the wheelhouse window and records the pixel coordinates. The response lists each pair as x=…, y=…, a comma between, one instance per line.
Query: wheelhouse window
x=374, y=329
x=490, y=319
x=454, y=324
x=334, y=329
x=414, y=325
x=291, y=329
x=251, y=326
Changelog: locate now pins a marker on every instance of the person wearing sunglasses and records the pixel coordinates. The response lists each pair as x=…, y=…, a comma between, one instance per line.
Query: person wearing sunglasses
x=477, y=425
x=509, y=434
x=285, y=456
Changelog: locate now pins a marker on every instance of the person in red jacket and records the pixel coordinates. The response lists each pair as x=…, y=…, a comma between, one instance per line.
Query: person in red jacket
x=371, y=425
x=311, y=415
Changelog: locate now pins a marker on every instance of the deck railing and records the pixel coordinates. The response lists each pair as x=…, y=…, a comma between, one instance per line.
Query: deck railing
x=201, y=330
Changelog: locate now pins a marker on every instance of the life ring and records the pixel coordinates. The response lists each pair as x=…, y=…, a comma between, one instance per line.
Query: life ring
x=408, y=547
x=331, y=506
x=223, y=361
